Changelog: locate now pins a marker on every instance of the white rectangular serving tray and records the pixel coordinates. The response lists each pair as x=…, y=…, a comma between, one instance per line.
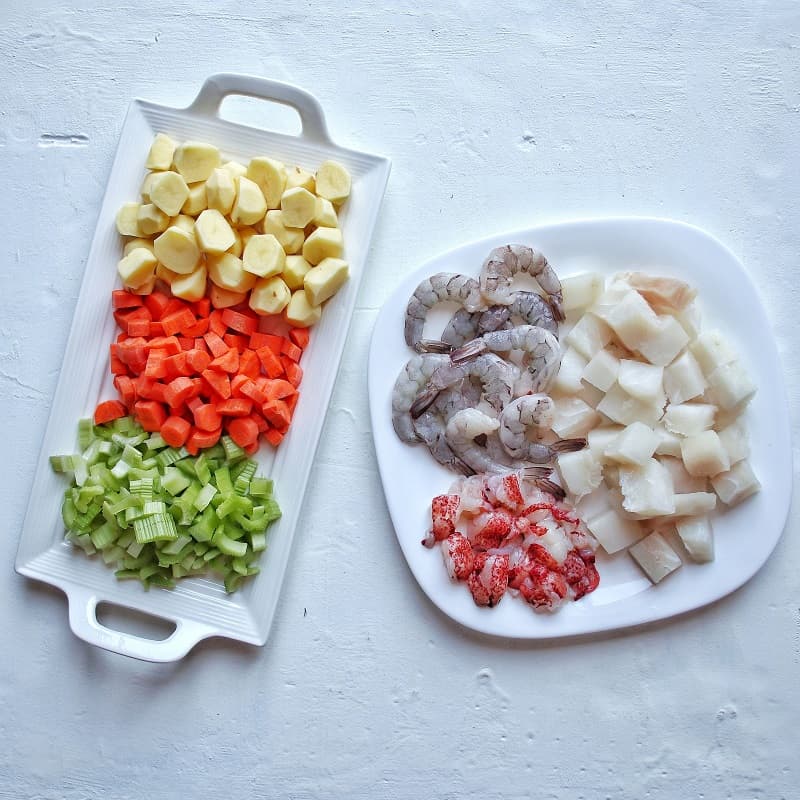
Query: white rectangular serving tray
x=199, y=608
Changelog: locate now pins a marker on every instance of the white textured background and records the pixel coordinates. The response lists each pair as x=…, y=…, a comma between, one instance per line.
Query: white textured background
x=496, y=116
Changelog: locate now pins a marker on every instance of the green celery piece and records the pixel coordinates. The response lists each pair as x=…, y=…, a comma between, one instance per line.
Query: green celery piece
x=104, y=536
x=142, y=487
x=239, y=565
x=112, y=554
x=61, y=464
x=235, y=504
x=127, y=574
x=187, y=561
x=131, y=456
x=202, y=469
x=205, y=496
x=232, y=450
x=155, y=442
x=204, y=526
x=174, y=481
x=168, y=457
x=272, y=510
x=232, y=582
x=222, y=477
x=126, y=539
x=258, y=541
x=254, y=525
x=179, y=571
x=210, y=554
x=134, y=549
x=120, y=470
x=154, y=507
x=148, y=570
x=155, y=528
x=226, y=545
x=200, y=548
x=131, y=501
x=162, y=581
x=199, y=564
x=253, y=570
x=261, y=487
x=176, y=545
x=81, y=469
x=69, y=514
x=247, y=468
x=86, y=433
x=216, y=453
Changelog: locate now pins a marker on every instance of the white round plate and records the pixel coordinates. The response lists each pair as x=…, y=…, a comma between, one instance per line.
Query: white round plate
x=744, y=535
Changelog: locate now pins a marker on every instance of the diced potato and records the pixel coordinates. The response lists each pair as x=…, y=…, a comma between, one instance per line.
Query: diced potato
x=224, y=298
x=269, y=296
x=128, y=219
x=568, y=379
x=298, y=206
x=660, y=346
x=213, y=232
x=647, y=490
x=270, y=176
x=184, y=222
x=735, y=440
x=137, y=268
x=580, y=472
x=162, y=151
x=146, y=288
x=168, y=191
x=589, y=335
x=246, y=234
x=324, y=280
x=166, y=275
x=690, y=320
x=228, y=272
x=634, y=445
x=295, y=271
x=196, y=160
x=237, y=248
x=134, y=243
x=688, y=419
x=580, y=291
x=620, y=407
x=656, y=558
x=264, y=256
x=731, y=386
x=712, y=350
x=290, y=238
x=333, y=182
x=235, y=169
x=191, y=287
x=683, y=379
x=300, y=312
x=197, y=200
x=642, y=381
x=737, y=484
x=600, y=438
x=682, y=481
x=614, y=531
x=151, y=219
x=697, y=538
x=250, y=205
x=296, y=177
x=177, y=250
x=669, y=443
x=602, y=370
x=325, y=214
x=573, y=418
x=704, y=455
x=693, y=504
x=323, y=243
x=664, y=295
x=221, y=191
x=632, y=320
x=144, y=191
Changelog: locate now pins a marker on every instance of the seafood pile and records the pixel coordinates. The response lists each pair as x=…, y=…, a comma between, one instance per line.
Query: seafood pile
x=476, y=397
x=498, y=534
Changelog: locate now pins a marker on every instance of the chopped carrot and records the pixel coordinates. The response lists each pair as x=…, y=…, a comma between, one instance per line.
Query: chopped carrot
x=219, y=382
x=178, y=321
x=173, y=304
x=278, y=389
x=291, y=402
x=237, y=381
x=291, y=350
x=251, y=449
x=274, y=437
x=300, y=337
x=234, y=340
x=120, y=298
x=240, y=321
x=117, y=366
x=156, y=302
x=155, y=367
x=206, y=417
x=227, y=362
x=270, y=362
x=215, y=344
x=197, y=360
x=202, y=308
x=175, y=431
x=109, y=410
x=199, y=440
x=261, y=423
x=294, y=372
x=277, y=413
x=185, y=343
x=215, y=323
x=124, y=385
x=251, y=390
x=156, y=329
x=169, y=344
x=178, y=391
x=249, y=364
x=198, y=329
x=259, y=340
x=150, y=414
x=235, y=407
x=243, y=431
x=139, y=327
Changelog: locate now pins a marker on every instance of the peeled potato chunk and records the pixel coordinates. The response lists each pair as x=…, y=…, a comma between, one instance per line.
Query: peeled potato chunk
x=235, y=169
x=196, y=160
x=169, y=192
x=269, y=296
x=177, y=250
x=213, y=232
x=224, y=298
x=237, y=248
x=151, y=219
x=134, y=243
x=161, y=152
x=264, y=256
x=295, y=271
x=166, y=275
x=137, y=267
x=296, y=176
x=145, y=189
x=300, y=312
x=291, y=239
x=184, y=222
x=250, y=205
x=270, y=176
x=323, y=243
x=333, y=182
x=197, y=200
x=220, y=190
x=324, y=280
x=298, y=206
x=191, y=287
x=325, y=214
x=128, y=219
x=227, y=271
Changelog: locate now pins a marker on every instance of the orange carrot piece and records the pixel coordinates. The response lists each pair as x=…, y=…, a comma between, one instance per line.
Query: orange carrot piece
x=251, y=390
x=240, y=321
x=215, y=344
x=261, y=423
x=206, y=417
x=235, y=407
x=259, y=340
x=197, y=360
x=294, y=372
x=237, y=381
x=270, y=362
x=198, y=329
x=156, y=329
x=199, y=440
x=291, y=402
x=219, y=382
x=178, y=321
x=276, y=412
x=109, y=410
x=300, y=337
x=291, y=350
x=251, y=449
x=126, y=388
x=178, y=391
x=139, y=327
x=176, y=365
x=155, y=367
x=156, y=302
x=215, y=323
x=279, y=388
x=175, y=431
x=249, y=364
x=243, y=431
x=202, y=308
x=117, y=366
x=227, y=362
x=274, y=437
x=169, y=344
x=120, y=298
x=234, y=340
x=150, y=415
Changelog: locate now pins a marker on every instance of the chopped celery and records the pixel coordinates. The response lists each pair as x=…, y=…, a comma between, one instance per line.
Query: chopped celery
x=86, y=433
x=232, y=450
x=204, y=497
x=62, y=463
x=261, y=487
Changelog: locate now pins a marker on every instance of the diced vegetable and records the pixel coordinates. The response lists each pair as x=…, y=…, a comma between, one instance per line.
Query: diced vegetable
x=656, y=558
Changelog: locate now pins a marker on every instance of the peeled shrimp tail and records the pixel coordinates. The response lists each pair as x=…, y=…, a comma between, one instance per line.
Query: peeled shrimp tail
x=545, y=484
x=547, y=453
x=569, y=445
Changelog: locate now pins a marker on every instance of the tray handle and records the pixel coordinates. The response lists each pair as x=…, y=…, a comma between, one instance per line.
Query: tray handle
x=85, y=625
x=218, y=87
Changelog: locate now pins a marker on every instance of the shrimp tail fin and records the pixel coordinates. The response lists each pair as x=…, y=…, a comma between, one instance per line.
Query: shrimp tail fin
x=548, y=486
x=423, y=402
x=535, y=473
x=432, y=346
x=568, y=445
x=468, y=351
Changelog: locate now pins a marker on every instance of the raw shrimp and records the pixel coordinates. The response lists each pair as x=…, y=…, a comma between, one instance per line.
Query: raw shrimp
x=413, y=377
x=497, y=378
x=462, y=328
x=530, y=307
x=430, y=428
x=503, y=263
x=541, y=354
x=439, y=288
